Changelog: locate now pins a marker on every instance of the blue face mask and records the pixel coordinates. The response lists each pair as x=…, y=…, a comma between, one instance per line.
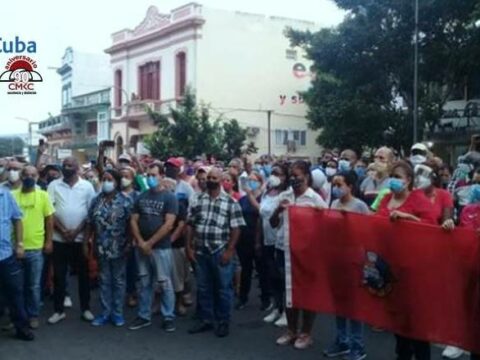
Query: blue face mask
x=361, y=172
x=475, y=194
x=152, y=182
x=253, y=184
x=28, y=183
x=338, y=192
x=267, y=169
x=396, y=185
x=344, y=165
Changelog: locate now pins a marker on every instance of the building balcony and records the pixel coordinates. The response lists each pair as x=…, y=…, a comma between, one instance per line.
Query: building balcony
x=88, y=101
x=139, y=108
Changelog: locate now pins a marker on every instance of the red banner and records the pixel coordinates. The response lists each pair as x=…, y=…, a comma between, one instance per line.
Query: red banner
x=412, y=279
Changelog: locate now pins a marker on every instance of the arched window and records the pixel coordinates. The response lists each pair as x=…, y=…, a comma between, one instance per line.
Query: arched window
x=180, y=74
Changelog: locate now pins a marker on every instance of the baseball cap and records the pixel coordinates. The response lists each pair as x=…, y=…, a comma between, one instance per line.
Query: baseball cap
x=175, y=162
x=125, y=157
x=419, y=146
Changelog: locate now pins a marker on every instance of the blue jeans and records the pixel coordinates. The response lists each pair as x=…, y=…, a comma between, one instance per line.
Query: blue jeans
x=156, y=269
x=32, y=271
x=215, y=287
x=112, y=285
x=11, y=283
x=354, y=338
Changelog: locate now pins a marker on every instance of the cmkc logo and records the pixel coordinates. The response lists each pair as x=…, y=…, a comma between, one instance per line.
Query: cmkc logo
x=21, y=75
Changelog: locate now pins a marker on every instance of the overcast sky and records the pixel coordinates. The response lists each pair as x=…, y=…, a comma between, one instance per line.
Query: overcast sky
x=87, y=25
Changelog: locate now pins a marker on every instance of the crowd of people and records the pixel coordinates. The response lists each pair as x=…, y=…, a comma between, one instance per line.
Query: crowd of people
x=145, y=230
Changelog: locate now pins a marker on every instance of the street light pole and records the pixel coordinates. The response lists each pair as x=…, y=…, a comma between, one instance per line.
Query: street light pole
x=269, y=126
x=415, y=78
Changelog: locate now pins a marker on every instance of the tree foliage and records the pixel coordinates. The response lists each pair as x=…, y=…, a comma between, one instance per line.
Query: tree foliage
x=189, y=131
x=365, y=65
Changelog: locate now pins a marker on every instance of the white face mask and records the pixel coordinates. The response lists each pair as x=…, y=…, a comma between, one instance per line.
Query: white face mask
x=422, y=182
x=417, y=159
x=13, y=176
x=125, y=183
x=274, y=181
x=330, y=171
x=108, y=187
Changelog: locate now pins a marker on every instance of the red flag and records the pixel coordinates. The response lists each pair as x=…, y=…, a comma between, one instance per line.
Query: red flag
x=415, y=280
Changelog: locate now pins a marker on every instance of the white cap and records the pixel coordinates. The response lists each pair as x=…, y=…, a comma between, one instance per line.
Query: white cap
x=419, y=146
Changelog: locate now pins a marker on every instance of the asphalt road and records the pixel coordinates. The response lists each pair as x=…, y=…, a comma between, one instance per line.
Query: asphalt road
x=250, y=338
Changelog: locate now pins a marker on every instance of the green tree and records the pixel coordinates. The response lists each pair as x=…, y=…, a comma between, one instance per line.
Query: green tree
x=11, y=145
x=189, y=131
x=366, y=63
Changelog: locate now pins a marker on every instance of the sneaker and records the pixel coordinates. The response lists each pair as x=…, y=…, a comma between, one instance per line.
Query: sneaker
x=100, y=320
x=303, y=342
x=356, y=355
x=24, y=334
x=88, y=316
x=8, y=326
x=34, y=323
x=286, y=339
x=222, y=330
x=169, y=326
x=282, y=321
x=139, y=323
x=200, y=327
x=272, y=317
x=452, y=352
x=67, y=302
x=118, y=320
x=337, y=349
x=267, y=306
x=56, y=318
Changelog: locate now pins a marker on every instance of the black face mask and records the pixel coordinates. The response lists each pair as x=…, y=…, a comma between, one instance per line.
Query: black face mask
x=296, y=183
x=212, y=185
x=171, y=172
x=68, y=173
x=50, y=179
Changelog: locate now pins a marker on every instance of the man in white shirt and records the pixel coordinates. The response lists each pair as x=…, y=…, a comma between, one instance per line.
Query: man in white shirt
x=71, y=198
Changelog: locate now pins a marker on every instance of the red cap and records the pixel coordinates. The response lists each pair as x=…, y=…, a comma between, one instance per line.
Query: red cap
x=175, y=162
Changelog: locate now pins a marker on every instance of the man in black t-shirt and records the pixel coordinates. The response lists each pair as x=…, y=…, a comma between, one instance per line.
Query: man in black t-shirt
x=152, y=221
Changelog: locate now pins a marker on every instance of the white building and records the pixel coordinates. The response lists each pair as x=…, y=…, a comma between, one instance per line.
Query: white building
x=240, y=64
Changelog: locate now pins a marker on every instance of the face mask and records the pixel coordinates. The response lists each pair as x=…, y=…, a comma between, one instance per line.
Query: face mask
x=190, y=171
x=227, y=186
x=212, y=185
x=253, y=184
x=108, y=187
x=296, y=183
x=330, y=171
x=422, y=182
x=171, y=172
x=475, y=194
x=417, y=159
x=361, y=172
x=344, y=165
x=68, y=173
x=152, y=182
x=461, y=172
x=274, y=181
x=268, y=170
x=28, y=183
x=109, y=167
x=50, y=179
x=396, y=185
x=338, y=192
x=13, y=176
x=125, y=183
x=2, y=170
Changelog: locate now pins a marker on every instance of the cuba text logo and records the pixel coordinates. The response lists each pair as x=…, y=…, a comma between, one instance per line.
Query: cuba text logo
x=20, y=74
x=17, y=46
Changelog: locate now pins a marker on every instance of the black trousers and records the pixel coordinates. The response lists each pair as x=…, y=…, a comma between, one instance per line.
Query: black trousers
x=408, y=348
x=63, y=256
x=474, y=357
x=248, y=259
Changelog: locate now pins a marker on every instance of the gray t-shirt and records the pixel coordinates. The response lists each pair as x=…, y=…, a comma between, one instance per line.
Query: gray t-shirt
x=152, y=206
x=355, y=205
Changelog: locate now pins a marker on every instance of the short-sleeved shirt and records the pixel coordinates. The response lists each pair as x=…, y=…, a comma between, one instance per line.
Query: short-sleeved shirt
x=267, y=208
x=184, y=191
x=440, y=200
x=110, y=220
x=71, y=204
x=35, y=206
x=152, y=207
x=181, y=216
x=213, y=219
x=9, y=211
x=308, y=199
x=354, y=205
x=416, y=204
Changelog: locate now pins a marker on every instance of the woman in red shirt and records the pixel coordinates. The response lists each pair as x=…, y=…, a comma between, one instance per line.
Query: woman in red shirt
x=404, y=203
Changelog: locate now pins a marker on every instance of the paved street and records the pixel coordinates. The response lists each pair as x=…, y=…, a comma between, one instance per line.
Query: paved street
x=250, y=339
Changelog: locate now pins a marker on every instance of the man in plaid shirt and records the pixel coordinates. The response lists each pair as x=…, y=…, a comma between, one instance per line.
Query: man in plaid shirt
x=214, y=221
